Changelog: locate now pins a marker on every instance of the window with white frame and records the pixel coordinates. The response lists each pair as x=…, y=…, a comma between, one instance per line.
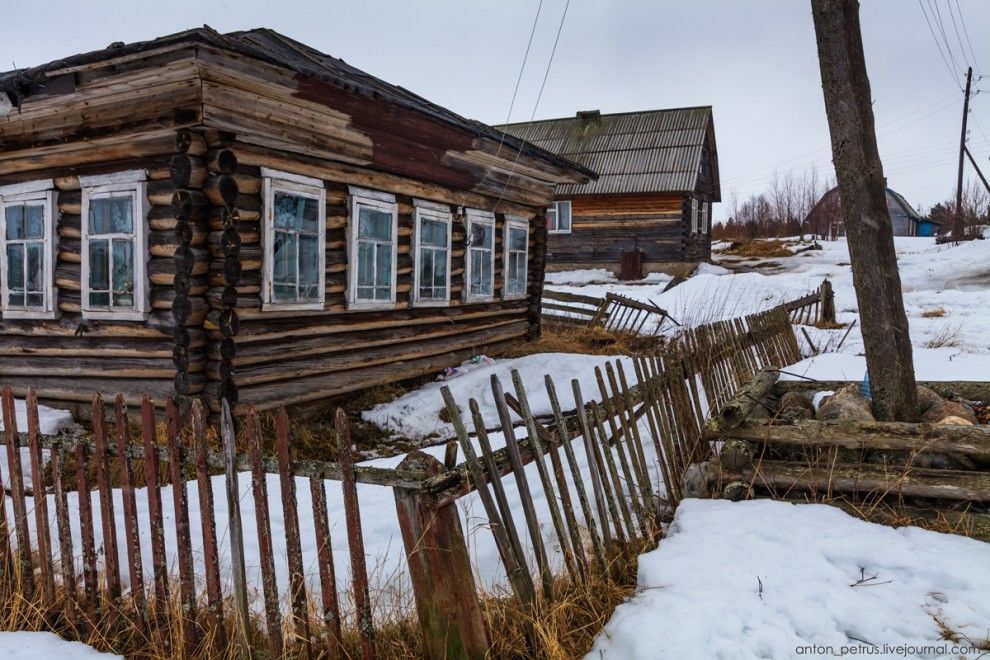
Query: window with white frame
x=431, y=238
x=372, y=241
x=27, y=227
x=694, y=216
x=705, y=206
x=559, y=218
x=114, y=254
x=516, y=240
x=480, y=255
x=294, y=241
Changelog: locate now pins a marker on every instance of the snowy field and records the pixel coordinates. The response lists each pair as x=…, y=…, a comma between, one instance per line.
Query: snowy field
x=46, y=646
x=766, y=579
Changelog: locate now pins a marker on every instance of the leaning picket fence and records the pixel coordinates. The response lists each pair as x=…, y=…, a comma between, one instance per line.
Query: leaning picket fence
x=616, y=466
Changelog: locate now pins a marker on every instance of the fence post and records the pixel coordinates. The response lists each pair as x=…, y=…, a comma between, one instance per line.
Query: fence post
x=826, y=312
x=440, y=569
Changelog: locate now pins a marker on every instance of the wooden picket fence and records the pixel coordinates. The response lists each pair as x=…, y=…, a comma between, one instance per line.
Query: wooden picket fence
x=638, y=440
x=615, y=313
x=818, y=307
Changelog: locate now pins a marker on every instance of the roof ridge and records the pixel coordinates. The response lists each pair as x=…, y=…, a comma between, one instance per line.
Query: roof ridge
x=610, y=114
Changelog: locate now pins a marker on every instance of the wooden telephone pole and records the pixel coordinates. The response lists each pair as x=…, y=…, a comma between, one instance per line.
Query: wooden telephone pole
x=848, y=106
x=957, y=223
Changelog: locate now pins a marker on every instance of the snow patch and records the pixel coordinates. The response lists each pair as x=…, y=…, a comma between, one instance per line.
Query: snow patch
x=25, y=645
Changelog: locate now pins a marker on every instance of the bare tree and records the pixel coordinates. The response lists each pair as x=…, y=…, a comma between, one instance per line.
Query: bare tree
x=859, y=171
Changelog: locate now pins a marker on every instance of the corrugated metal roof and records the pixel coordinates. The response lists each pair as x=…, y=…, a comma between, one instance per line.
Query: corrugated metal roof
x=633, y=152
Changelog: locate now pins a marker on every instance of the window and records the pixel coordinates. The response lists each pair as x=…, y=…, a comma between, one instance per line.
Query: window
x=559, y=218
x=372, y=229
x=113, y=246
x=295, y=241
x=694, y=216
x=705, y=206
x=26, y=235
x=516, y=252
x=480, y=255
x=432, y=248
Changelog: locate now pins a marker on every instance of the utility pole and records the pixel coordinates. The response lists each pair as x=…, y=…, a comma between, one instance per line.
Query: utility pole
x=957, y=224
x=859, y=172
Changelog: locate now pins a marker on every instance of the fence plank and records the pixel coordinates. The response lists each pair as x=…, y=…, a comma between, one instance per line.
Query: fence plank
x=108, y=521
x=589, y=448
x=152, y=478
x=355, y=537
x=40, y=500
x=525, y=495
x=237, y=569
x=617, y=434
x=12, y=440
x=211, y=559
x=259, y=488
x=180, y=501
x=135, y=567
x=293, y=549
x=86, y=533
x=611, y=484
x=541, y=468
x=636, y=440
x=328, y=573
x=66, y=555
x=578, y=479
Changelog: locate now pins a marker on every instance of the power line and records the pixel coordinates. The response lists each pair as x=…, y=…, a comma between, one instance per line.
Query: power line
x=952, y=72
x=933, y=4
x=972, y=53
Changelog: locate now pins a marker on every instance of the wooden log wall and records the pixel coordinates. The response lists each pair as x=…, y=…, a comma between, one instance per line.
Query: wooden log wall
x=269, y=358
x=604, y=226
x=68, y=359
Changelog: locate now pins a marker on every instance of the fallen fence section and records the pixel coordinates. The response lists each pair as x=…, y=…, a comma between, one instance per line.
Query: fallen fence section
x=615, y=313
x=816, y=308
x=616, y=468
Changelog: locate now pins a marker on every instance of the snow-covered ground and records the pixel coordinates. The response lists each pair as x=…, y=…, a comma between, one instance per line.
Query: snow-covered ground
x=766, y=579
x=46, y=646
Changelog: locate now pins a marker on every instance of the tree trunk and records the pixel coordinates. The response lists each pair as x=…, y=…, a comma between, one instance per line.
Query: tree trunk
x=864, y=209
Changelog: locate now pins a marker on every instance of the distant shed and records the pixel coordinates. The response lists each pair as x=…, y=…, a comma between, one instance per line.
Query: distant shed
x=826, y=216
x=650, y=208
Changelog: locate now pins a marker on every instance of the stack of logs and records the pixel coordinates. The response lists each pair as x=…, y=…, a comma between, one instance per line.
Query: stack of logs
x=229, y=260
x=774, y=443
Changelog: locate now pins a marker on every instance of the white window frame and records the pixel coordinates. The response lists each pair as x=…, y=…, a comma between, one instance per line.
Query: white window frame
x=135, y=183
x=16, y=195
x=514, y=222
x=694, y=215
x=302, y=186
x=556, y=217
x=439, y=213
x=704, y=217
x=380, y=202
x=472, y=216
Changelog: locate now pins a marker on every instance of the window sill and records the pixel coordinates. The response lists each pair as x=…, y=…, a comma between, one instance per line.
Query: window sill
x=431, y=303
x=369, y=305
x=558, y=231
x=114, y=315
x=479, y=299
x=23, y=314
x=292, y=307
x=514, y=296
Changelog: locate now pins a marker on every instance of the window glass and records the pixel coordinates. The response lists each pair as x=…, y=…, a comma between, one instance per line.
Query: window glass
x=14, y=217
x=515, y=266
x=432, y=259
x=481, y=245
x=295, y=247
x=552, y=219
x=564, y=216
x=25, y=255
x=111, y=251
x=112, y=214
x=375, y=254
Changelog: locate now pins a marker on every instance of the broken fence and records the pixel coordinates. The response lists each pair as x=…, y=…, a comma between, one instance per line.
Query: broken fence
x=638, y=440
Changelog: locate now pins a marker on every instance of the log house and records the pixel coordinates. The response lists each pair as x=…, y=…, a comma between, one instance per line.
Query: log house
x=650, y=208
x=239, y=216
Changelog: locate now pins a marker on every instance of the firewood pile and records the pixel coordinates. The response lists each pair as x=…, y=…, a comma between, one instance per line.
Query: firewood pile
x=819, y=442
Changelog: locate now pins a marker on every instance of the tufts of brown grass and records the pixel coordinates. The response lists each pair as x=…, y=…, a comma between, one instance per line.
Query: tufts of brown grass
x=582, y=339
x=566, y=627
x=934, y=313
x=757, y=248
x=947, y=336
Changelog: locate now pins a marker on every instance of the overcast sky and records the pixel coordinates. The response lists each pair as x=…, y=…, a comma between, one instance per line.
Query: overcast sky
x=754, y=61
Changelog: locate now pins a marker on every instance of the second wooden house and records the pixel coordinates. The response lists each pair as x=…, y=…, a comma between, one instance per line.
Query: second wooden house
x=241, y=217
x=650, y=208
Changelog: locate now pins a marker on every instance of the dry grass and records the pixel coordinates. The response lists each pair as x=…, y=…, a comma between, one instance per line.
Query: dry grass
x=581, y=339
x=758, y=248
x=934, y=313
x=564, y=628
x=946, y=336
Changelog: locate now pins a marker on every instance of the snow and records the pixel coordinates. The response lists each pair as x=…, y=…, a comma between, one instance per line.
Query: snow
x=579, y=277
x=50, y=422
x=415, y=415
x=764, y=579
x=24, y=645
